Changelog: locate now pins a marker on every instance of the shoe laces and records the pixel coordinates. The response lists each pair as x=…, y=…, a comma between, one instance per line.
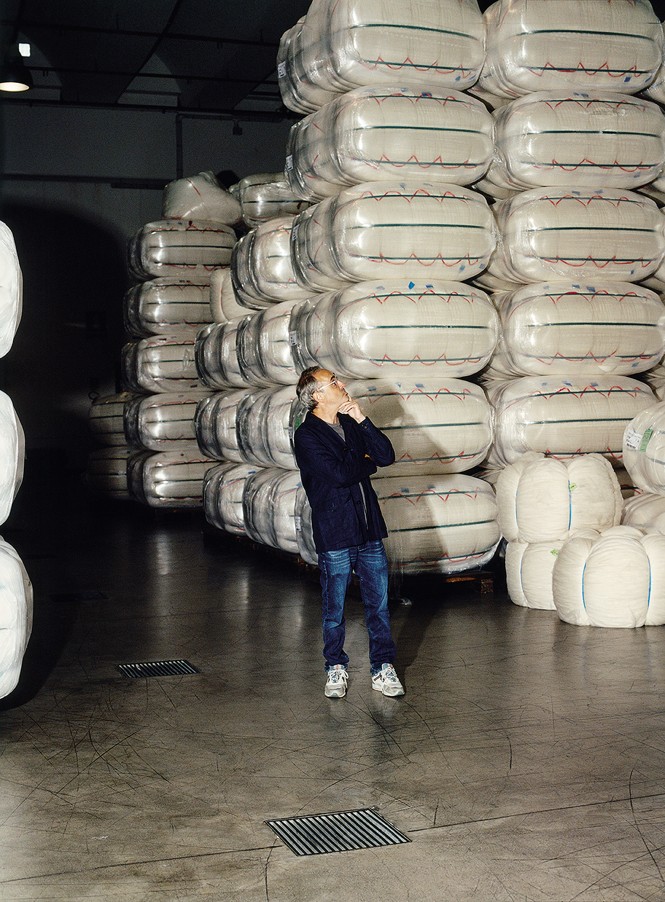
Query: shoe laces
x=337, y=675
x=388, y=673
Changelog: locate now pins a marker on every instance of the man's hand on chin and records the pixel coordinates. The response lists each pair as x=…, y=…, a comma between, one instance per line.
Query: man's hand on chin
x=352, y=409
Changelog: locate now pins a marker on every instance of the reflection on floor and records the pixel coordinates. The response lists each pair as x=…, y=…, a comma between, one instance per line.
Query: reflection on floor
x=526, y=761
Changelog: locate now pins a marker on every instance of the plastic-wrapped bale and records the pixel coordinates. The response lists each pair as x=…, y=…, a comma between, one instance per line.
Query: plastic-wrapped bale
x=224, y=305
x=200, y=197
x=540, y=499
x=265, y=350
x=304, y=533
x=298, y=91
x=644, y=449
x=180, y=248
x=429, y=329
x=656, y=379
x=106, y=472
x=162, y=422
x=656, y=90
x=160, y=363
x=266, y=195
x=12, y=455
x=171, y=479
x=374, y=230
x=11, y=289
x=242, y=275
x=381, y=133
x=529, y=573
x=161, y=305
x=615, y=579
x=435, y=426
x=563, y=417
x=537, y=45
x=269, y=504
x=223, y=490
x=551, y=328
x=271, y=274
x=15, y=616
x=579, y=138
x=216, y=355
x=572, y=233
x=265, y=425
x=645, y=511
x=106, y=418
x=215, y=424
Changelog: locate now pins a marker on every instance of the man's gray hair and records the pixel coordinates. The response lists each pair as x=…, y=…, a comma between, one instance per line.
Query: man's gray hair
x=307, y=385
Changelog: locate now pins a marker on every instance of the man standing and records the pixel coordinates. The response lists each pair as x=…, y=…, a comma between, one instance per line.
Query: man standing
x=337, y=448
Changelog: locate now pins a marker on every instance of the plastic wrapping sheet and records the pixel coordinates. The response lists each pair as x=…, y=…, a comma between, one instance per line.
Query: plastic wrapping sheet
x=200, y=197
x=271, y=268
x=656, y=90
x=11, y=289
x=160, y=363
x=162, y=305
x=242, y=274
x=430, y=329
x=163, y=422
x=435, y=426
x=265, y=349
x=383, y=230
x=269, y=505
x=12, y=455
x=383, y=133
x=223, y=490
x=15, y=616
x=551, y=328
x=171, y=479
x=646, y=511
x=529, y=573
x=106, y=472
x=565, y=416
x=106, y=418
x=615, y=579
x=540, y=45
x=656, y=379
x=571, y=233
x=180, y=248
x=644, y=449
x=224, y=305
x=540, y=499
x=266, y=195
x=578, y=138
x=303, y=63
x=215, y=424
x=265, y=425
x=216, y=355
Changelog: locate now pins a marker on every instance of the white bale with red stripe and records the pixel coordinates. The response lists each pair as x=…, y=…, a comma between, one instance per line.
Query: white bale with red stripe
x=106, y=418
x=224, y=305
x=171, y=480
x=644, y=449
x=162, y=422
x=223, y=490
x=269, y=504
x=162, y=305
x=11, y=289
x=180, y=249
x=265, y=195
x=200, y=197
x=16, y=606
x=160, y=363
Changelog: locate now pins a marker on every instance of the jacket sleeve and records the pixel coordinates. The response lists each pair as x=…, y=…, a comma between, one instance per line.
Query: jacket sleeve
x=378, y=445
x=315, y=457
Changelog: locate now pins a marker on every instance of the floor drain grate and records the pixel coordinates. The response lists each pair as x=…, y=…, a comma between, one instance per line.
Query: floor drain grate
x=157, y=668
x=339, y=831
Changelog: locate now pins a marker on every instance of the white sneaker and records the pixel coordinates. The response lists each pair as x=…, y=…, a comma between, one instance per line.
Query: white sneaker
x=336, y=682
x=386, y=681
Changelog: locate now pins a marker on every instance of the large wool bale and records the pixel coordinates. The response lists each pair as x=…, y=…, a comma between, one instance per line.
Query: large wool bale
x=570, y=233
x=224, y=304
x=540, y=45
x=171, y=479
x=200, y=197
x=430, y=329
x=162, y=422
x=646, y=511
x=529, y=570
x=551, y=328
x=180, y=248
x=106, y=418
x=106, y=472
x=265, y=195
x=264, y=427
x=223, y=490
x=540, y=499
x=215, y=424
x=615, y=579
x=161, y=305
x=656, y=379
x=563, y=417
x=269, y=502
x=381, y=133
x=16, y=603
x=297, y=49
x=12, y=455
x=377, y=229
x=271, y=277
x=578, y=138
x=216, y=355
x=643, y=449
x=160, y=363
x=265, y=349
x=11, y=289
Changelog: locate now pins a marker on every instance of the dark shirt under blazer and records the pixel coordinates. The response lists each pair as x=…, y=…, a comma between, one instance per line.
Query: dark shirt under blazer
x=332, y=472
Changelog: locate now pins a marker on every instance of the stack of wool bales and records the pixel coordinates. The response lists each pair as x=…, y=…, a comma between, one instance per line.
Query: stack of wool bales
x=644, y=458
x=380, y=256
x=16, y=588
x=572, y=147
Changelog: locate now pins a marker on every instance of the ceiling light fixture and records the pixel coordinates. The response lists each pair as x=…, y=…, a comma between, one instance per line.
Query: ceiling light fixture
x=14, y=76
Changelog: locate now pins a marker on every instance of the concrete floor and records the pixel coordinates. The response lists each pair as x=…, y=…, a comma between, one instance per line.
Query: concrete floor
x=526, y=762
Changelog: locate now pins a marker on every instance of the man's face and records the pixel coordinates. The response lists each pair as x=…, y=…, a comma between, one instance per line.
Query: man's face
x=330, y=387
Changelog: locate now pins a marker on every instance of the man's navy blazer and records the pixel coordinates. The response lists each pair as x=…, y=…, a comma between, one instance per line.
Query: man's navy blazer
x=332, y=471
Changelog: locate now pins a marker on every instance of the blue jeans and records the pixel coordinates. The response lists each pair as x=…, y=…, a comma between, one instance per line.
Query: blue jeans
x=371, y=566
